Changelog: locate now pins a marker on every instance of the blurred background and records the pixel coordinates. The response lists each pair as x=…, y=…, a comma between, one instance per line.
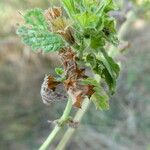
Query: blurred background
x=23, y=116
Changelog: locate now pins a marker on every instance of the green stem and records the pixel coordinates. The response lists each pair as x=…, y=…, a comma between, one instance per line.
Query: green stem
x=67, y=110
x=112, y=52
x=67, y=136
x=57, y=128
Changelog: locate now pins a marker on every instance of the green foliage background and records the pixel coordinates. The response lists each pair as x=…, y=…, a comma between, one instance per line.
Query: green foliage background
x=23, y=117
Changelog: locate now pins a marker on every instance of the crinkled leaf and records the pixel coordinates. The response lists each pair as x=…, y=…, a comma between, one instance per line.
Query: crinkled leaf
x=37, y=38
x=87, y=20
x=97, y=42
x=110, y=64
x=100, y=99
x=109, y=6
x=88, y=32
x=35, y=32
x=105, y=67
x=111, y=71
x=106, y=6
x=98, y=68
x=36, y=18
x=109, y=31
x=90, y=5
x=95, y=64
x=90, y=81
x=110, y=24
x=91, y=58
x=111, y=82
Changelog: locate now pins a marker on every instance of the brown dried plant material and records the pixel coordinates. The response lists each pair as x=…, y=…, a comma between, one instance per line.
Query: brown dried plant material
x=59, y=24
x=79, y=97
x=51, y=82
x=81, y=73
x=52, y=90
x=69, y=83
x=53, y=13
x=74, y=75
x=55, y=18
x=68, y=58
x=73, y=124
x=67, y=35
x=88, y=90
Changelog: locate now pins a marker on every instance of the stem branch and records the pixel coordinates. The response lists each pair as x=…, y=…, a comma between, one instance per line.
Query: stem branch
x=67, y=136
x=113, y=52
x=57, y=128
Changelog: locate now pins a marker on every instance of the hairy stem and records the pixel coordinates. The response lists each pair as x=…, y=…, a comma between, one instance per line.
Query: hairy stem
x=57, y=127
x=80, y=113
x=112, y=51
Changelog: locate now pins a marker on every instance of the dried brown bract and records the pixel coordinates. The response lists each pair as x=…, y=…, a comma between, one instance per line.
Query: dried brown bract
x=74, y=75
x=52, y=90
x=53, y=13
x=59, y=24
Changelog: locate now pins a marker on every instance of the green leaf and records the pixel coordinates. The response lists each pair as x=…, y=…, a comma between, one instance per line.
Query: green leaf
x=36, y=18
x=97, y=42
x=87, y=20
x=106, y=6
x=111, y=71
x=99, y=67
x=111, y=82
x=100, y=24
x=109, y=6
x=100, y=99
x=91, y=58
x=59, y=71
x=110, y=24
x=110, y=64
x=105, y=67
x=95, y=64
x=90, y=81
x=37, y=38
x=69, y=6
x=109, y=31
x=35, y=32
x=89, y=5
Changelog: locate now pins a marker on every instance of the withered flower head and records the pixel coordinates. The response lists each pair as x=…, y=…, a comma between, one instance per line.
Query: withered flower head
x=67, y=35
x=53, y=13
x=59, y=23
x=52, y=90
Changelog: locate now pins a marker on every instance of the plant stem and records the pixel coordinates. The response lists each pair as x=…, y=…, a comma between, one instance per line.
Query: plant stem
x=67, y=110
x=70, y=131
x=113, y=52
x=57, y=128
